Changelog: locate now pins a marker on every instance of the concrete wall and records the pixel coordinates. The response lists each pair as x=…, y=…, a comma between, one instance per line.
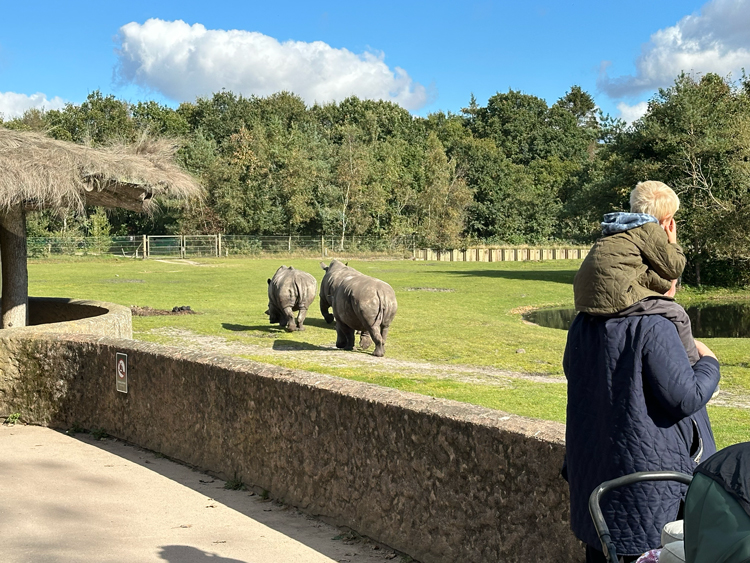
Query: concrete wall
x=76, y=316
x=521, y=254
x=440, y=480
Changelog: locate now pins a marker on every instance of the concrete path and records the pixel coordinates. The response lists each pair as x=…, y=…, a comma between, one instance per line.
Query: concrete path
x=66, y=499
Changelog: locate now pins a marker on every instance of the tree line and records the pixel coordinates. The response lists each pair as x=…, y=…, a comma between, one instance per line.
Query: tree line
x=514, y=171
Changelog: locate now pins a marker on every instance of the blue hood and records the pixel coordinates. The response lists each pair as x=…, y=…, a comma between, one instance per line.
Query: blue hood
x=620, y=222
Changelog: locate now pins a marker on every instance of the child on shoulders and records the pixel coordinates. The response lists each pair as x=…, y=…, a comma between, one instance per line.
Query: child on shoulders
x=633, y=269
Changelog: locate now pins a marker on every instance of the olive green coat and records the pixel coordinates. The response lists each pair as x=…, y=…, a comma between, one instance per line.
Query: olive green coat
x=624, y=268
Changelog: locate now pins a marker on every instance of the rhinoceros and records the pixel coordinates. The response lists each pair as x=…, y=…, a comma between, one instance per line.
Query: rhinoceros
x=361, y=303
x=334, y=275
x=290, y=290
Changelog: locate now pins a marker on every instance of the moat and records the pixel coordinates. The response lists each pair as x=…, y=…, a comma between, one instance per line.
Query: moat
x=709, y=320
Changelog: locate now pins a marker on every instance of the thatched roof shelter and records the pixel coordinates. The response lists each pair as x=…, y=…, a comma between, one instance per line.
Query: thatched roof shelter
x=37, y=172
x=42, y=173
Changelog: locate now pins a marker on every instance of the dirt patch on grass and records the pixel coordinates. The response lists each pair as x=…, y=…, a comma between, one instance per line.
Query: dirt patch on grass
x=437, y=289
x=149, y=312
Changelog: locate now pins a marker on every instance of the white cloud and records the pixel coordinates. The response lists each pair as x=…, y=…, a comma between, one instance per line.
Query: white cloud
x=185, y=61
x=629, y=113
x=714, y=40
x=13, y=104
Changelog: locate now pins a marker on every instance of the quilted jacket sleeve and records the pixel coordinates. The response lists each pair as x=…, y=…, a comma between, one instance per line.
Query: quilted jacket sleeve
x=682, y=390
x=653, y=281
x=665, y=258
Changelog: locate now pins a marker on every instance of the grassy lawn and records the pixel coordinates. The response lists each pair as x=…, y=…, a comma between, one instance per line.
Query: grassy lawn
x=463, y=313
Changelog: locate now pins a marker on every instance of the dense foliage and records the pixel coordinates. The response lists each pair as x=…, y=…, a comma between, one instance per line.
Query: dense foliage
x=514, y=171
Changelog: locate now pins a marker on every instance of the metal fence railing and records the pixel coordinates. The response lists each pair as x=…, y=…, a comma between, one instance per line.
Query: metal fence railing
x=198, y=246
x=194, y=246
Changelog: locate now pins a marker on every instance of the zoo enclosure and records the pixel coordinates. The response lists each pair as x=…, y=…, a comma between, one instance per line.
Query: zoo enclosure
x=200, y=246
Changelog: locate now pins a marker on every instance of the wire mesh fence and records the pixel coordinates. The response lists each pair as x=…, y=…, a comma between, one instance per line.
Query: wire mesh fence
x=196, y=246
x=201, y=246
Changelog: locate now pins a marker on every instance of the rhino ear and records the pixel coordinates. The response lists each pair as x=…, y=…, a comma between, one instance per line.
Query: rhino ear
x=323, y=265
x=346, y=263
x=269, y=281
x=266, y=313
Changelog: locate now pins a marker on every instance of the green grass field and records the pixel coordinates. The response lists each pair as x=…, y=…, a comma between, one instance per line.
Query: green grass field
x=450, y=313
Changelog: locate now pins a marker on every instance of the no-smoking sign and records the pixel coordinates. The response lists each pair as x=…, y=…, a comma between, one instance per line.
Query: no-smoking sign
x=121, y=372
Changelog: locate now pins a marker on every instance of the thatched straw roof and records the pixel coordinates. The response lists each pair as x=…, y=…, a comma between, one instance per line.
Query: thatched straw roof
x=40, y=173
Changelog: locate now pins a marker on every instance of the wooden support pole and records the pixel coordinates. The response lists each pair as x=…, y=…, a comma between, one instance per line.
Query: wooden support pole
x=15, y=275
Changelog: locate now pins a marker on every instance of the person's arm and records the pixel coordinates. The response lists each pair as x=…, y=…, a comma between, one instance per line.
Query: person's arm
x=664, y=257
x=653, y=281
x=681, y=389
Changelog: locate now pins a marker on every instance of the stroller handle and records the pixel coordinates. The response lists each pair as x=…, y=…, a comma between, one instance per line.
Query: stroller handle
x=602, y=530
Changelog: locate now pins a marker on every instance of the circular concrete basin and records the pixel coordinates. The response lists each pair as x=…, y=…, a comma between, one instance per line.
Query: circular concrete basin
x=76, y=316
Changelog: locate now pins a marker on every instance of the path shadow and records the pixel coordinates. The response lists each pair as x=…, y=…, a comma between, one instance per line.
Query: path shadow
x=556, y=276
x=265, y=512
x=187, y=554
x=292, y=345
x=271, y=328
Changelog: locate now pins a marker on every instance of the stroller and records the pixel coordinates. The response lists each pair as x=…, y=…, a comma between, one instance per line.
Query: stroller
x=716, y=524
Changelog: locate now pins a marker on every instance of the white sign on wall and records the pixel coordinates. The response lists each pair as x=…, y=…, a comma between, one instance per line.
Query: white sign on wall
x=121, y=372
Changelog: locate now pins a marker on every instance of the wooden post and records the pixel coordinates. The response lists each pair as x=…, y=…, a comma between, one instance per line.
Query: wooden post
x=218, y=245
x=15, y=275
x=322, y=245
x=145, y=247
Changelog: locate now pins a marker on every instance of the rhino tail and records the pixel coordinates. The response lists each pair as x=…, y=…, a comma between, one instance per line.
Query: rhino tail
x=383, y=309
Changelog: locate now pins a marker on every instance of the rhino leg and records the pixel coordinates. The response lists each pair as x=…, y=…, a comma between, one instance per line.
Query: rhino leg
x=301, y=319
x=377, y=338
x=365, y=341
x=288, y=320
x=344, y=336
x=324, y=306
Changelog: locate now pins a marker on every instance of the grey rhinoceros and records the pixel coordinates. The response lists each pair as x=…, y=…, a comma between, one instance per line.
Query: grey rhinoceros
x=334, y=275
x=360, y=303
x=290, y=290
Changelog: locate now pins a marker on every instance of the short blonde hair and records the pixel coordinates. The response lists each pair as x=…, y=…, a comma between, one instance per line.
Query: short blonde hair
x=654, y=198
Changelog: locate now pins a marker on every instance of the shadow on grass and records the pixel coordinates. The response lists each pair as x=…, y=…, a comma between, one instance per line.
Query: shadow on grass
x=557, y=276
x=272, y=328
x=293, y=345
x=320, y=323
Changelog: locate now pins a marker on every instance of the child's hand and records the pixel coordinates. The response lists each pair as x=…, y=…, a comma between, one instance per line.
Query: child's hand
x=704, y=350
x=672, y=290
x=671, y=229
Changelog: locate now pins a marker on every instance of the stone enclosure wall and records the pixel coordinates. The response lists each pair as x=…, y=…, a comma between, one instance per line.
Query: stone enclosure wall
x=440, y=480
x=79, y=316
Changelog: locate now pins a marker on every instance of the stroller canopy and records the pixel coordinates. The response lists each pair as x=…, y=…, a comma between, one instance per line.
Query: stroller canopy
x=717, y=508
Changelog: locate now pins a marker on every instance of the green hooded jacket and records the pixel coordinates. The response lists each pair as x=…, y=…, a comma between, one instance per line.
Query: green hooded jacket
x=627, y=266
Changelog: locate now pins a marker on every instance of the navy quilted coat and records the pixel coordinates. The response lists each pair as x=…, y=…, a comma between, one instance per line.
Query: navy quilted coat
x=634, y=404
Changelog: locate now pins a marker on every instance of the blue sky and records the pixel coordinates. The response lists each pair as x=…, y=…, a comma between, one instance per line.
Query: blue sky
x=427, y=56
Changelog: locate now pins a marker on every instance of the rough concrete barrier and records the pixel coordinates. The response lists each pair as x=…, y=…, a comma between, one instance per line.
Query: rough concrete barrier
x=522, y=254
x=76, y=316
x=440, y=480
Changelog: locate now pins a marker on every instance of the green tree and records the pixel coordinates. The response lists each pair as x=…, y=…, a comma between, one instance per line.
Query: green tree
x=444, y=199
x=97, y=121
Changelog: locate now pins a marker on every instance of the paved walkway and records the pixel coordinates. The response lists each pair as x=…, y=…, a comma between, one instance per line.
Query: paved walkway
x=66, y=499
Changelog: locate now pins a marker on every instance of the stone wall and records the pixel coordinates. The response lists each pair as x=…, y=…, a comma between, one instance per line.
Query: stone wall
x=76, y=316
x=440, y=480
